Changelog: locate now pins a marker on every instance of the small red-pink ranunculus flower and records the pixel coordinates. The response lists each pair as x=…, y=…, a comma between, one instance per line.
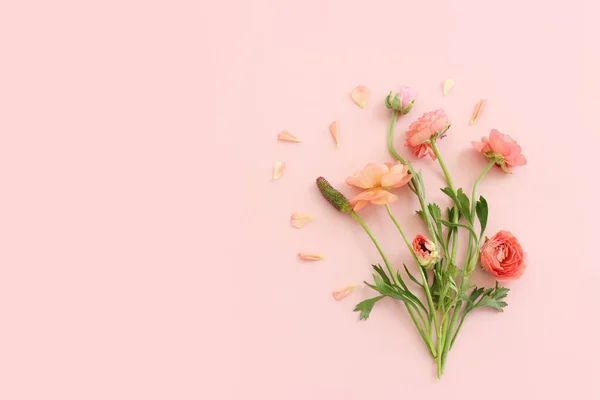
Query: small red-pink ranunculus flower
x=426, y=251
x=503, y=257
x=420, y=132
x=378, y=180
x=501, y=148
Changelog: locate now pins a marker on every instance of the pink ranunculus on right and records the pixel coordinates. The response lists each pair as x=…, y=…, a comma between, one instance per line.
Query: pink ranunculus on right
x=503, y=257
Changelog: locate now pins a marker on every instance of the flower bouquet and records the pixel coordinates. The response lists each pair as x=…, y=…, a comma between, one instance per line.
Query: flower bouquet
x=444, y=294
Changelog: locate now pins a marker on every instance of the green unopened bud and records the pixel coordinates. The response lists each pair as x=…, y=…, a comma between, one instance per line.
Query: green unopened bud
x=335, y=198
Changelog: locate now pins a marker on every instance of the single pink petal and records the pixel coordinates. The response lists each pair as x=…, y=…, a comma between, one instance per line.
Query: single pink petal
x=360, y=95
x=334, y=128
x=287, y=137
x=478, y=146
x=396, y=180
x=447, y=86
x=369, y=195
x=298, y=220
x=358, y=205
x=278, y=170
x=340, y=294
x=478, y=110
x=385, y=198
x=310, y=257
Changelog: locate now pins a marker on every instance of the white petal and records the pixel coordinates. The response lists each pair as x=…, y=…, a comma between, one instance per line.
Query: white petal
x=278, y=170
x=299, y=220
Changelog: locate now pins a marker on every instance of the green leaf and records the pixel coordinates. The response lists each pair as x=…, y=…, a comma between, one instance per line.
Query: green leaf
x=382, y=273
x=412, y=278
x=491, y=297
x=420, y=213
x=366, y=306
x=449, y=192
x=482, y=213
x=452, y=225
x=463, y=203
x=435, y=211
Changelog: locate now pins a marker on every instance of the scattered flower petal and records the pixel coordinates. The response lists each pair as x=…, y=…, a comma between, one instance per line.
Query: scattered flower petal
x=334, y=128
x=448, y=85
x=360, y=95
x=340, y=294
x=287, y=137
x=299, y=220
x=478, y=110
x=310, y=257
x=278, y=170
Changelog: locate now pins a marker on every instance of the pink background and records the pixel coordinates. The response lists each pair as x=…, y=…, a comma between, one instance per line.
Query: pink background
x=145, y=253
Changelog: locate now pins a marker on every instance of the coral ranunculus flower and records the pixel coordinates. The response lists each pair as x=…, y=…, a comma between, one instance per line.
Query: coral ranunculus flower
x=503, y=257
x=421, y=131
x=378, y=180
x=426, y=251
x=501, y=148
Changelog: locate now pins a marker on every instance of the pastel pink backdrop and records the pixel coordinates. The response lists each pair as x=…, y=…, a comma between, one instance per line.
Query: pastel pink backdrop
x=145, y=253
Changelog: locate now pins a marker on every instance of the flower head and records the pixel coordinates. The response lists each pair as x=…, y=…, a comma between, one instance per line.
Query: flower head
x=378, y=180
x=501, y=148
x=503, y=257
x=401, y=101
x=431, y=125
x=335, y=198
x=426, y=251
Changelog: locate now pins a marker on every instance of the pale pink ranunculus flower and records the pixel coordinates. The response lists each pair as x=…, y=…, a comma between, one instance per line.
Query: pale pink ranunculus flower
x=426, y=251
x=501, y=148
x=503, y=257
x=377, y=180
x=422, y=130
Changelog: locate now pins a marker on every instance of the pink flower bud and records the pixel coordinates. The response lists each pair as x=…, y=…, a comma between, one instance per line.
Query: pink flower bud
x=426, y=251
x=401, y=101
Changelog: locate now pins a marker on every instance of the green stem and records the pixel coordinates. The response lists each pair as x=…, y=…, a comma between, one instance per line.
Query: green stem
x=472, y=254
x=417, y=188
x=391, y=138
x=470, y=249
x=395, y=279
x=412, y=252
x=437, y=153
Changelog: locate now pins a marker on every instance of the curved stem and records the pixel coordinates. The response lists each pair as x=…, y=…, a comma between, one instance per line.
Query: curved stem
x=391, y=138
x=443, y=165
x=376, y=243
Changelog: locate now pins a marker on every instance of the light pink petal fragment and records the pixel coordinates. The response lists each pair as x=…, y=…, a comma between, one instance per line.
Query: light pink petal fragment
x=299, y=220
x=278, y=170
x=447, y=86
x=478, y=110
x=310, y=257
x=334, y=128
x=287, y=137
x=340, y=294
x=360, y=95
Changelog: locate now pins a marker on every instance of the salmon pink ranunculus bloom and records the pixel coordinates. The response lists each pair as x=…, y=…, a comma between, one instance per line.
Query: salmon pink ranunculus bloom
x=501, y=148
x=503, y=257
x=420, y=132
x=378, y=180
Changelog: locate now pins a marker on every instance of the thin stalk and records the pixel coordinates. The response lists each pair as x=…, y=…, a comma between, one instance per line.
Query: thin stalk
x=395, y=279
